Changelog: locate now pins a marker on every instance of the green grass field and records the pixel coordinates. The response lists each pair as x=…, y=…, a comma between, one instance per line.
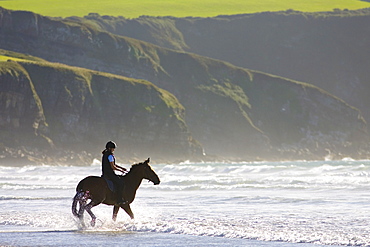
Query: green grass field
x=195, y=8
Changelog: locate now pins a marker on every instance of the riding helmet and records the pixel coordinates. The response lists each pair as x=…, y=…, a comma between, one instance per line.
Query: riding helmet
x=110, y=144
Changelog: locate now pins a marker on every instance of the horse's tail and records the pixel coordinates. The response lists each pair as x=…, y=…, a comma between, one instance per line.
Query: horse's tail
x=81, y=198
x=76, y=199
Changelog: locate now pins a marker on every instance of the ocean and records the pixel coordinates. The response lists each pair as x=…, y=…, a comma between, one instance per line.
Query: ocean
x=284, y=204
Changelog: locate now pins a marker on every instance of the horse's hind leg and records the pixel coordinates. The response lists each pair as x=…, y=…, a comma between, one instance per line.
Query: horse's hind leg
x=84, y=197
x=79, y=198
x=80, y=213
x=88, y=208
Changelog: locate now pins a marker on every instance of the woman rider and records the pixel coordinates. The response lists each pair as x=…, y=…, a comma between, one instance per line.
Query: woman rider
x=108, y=168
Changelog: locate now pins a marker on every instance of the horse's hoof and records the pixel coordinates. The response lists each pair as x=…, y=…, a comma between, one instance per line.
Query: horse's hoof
x=93, y=222
x=82, y=227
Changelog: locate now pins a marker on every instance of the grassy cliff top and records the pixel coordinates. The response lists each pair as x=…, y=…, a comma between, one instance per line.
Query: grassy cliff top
x=206, y=8
x=15, y=56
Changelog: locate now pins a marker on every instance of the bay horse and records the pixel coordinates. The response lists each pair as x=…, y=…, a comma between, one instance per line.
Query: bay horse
x=96, y=190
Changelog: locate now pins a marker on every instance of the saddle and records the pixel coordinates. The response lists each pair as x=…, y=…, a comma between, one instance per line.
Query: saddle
x=110, y=184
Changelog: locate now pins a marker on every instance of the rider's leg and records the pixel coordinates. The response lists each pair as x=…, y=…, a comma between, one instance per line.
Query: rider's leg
x=119, y=188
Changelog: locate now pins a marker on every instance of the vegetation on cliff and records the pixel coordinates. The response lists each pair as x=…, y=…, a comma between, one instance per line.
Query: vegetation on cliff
x=205, y=8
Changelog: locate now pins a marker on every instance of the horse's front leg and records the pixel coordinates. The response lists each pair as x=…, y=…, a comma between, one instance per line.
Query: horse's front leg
x=115, y=212
x=127, y=209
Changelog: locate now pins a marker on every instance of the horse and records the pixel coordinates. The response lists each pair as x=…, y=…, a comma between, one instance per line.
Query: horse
x=96, y=190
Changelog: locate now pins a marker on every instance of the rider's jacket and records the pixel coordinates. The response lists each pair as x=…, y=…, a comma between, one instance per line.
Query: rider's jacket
x=106, y=168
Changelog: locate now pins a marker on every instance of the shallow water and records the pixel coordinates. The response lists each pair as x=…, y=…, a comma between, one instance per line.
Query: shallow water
x=219, y=204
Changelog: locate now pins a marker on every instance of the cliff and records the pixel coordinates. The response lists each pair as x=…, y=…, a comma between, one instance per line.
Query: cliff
x=327, y=49
x=234, y=113
x=57, y=113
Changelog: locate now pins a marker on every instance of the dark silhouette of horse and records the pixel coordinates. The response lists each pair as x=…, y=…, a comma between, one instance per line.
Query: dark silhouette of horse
x=96, y=190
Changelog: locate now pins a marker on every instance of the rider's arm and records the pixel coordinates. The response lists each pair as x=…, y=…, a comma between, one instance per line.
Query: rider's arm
x=114, y=166
x=122, y=168
x=117, y=167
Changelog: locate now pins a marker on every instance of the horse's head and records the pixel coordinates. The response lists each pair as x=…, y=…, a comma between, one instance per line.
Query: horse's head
x=147, y=172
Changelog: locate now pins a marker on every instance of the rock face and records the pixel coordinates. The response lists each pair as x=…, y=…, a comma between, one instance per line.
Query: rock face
x=56, y=107
x=234, y=113
x=22, y=119
x=21, y=109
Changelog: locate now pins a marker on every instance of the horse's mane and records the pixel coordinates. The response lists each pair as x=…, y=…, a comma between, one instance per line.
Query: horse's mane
x=136, y=166
x=141, y=163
